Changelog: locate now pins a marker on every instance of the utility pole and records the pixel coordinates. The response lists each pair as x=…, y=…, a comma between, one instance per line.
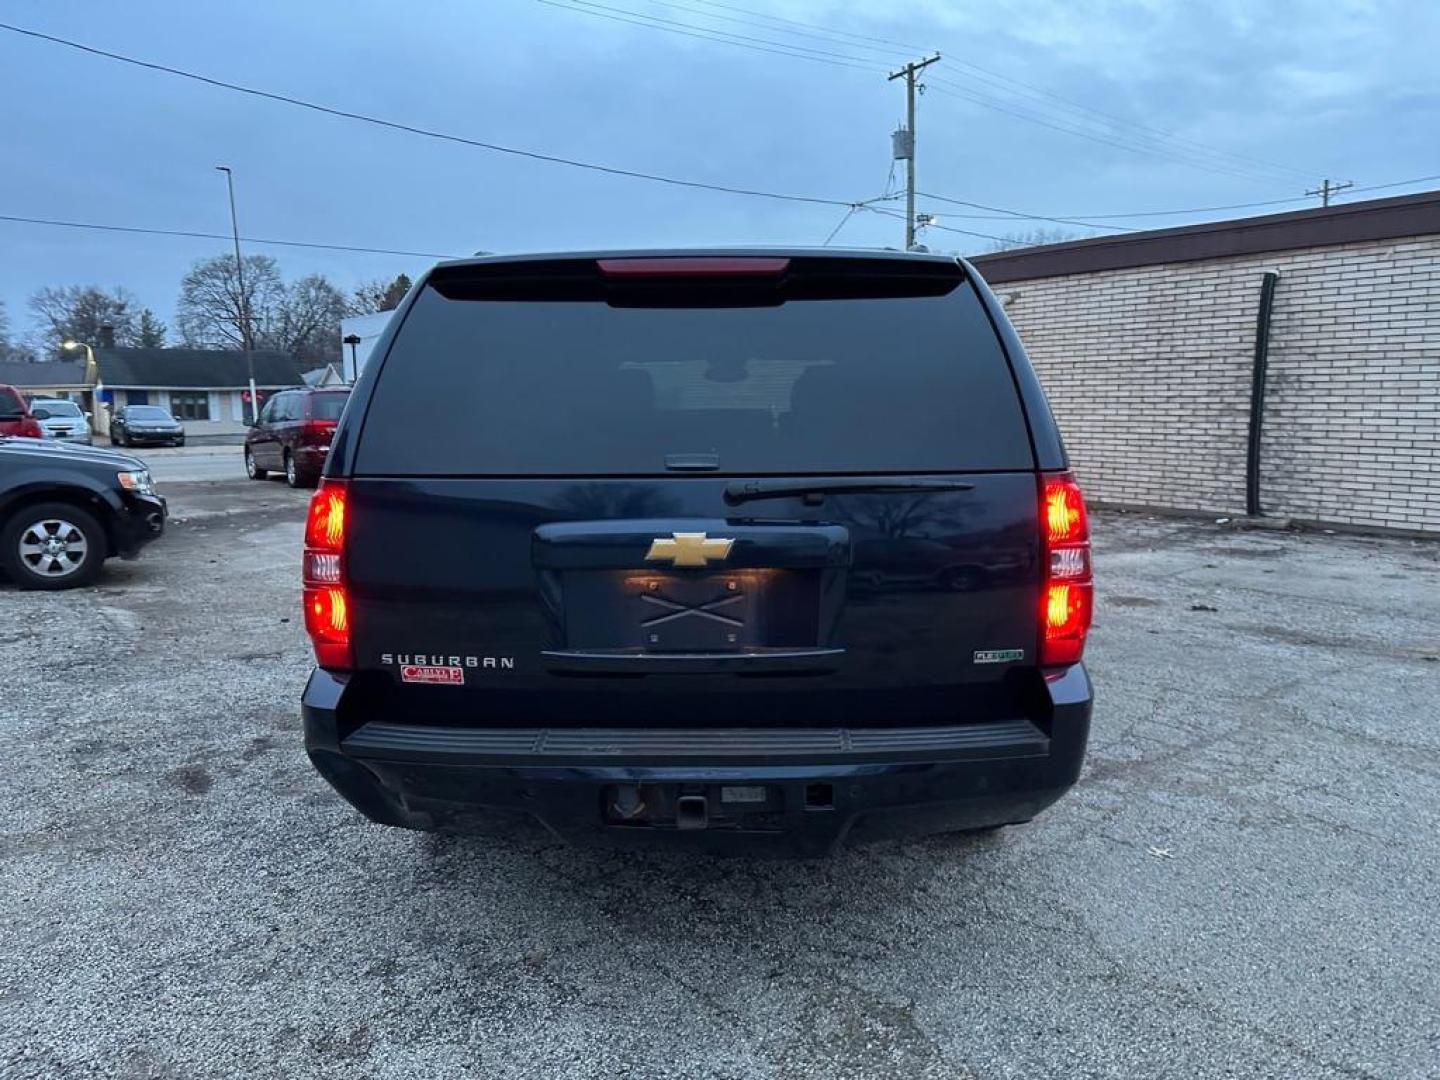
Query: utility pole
x=1327, y=188
x=904, y=143
x=247, y=338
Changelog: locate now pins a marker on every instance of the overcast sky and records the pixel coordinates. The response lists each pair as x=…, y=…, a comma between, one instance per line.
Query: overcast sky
x=1249, y=91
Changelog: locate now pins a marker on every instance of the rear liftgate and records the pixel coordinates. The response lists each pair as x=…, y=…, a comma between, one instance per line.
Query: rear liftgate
x=711, y=598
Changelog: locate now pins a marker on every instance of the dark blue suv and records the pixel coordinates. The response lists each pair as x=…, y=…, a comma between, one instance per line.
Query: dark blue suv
x=770, y=549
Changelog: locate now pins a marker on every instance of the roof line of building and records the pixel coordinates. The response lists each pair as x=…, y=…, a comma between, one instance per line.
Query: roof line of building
x=1373, y=219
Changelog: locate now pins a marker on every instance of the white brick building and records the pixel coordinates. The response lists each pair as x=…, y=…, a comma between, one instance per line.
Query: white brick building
x=1146, y=345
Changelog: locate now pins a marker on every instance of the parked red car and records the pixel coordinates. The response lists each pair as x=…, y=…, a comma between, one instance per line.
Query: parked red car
x=15, y=418
x=292, y=435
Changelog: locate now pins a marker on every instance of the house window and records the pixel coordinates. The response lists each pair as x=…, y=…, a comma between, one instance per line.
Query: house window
x=191, y=405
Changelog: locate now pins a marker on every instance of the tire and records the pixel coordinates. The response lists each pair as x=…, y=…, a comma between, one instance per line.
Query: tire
x=292, y=472
x=253, y=471
x=117, y=440
x=39, y=565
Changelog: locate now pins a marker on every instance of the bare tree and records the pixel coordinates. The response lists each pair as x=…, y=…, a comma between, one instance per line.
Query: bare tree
x=8, y=349
x=77, y=312
x=1033, y=238
x=301, y=318
x=210, y=309
x=370, y=297
x=309, y=317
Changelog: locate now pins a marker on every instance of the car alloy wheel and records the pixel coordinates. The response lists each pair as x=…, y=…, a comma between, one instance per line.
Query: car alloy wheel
x=53, y=548
x=292, y=477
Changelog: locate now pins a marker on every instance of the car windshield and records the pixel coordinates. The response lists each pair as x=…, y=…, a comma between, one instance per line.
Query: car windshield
x=58, y=408
x=148, y=412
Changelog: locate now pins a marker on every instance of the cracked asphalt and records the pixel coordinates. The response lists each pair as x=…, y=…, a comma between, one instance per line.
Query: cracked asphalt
x=1244, y=884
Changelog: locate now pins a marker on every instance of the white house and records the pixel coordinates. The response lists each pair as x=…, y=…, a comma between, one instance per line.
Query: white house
x=367, y=328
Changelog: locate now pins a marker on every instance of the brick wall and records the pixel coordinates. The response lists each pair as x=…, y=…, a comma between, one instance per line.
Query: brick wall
x=1149, y=369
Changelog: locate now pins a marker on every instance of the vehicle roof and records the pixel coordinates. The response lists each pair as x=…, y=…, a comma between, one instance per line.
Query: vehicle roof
x=877, y=254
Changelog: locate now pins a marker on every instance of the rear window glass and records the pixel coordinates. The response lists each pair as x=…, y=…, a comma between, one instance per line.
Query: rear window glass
x=327, y=406
x=10, y=403
x=578, y=387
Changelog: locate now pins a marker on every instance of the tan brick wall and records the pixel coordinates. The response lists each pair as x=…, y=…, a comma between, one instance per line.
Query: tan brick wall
x=1149, y=371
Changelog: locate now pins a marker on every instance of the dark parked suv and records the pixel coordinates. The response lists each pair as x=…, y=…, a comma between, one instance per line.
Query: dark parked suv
x=775, y=549
x=65, y=509
x=292, y=435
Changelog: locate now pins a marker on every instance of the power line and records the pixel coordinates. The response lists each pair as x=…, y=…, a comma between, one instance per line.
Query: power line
x=1017, y=213
x=991, y=103
x=907, y=48
x=933, y=225
x=658, y=178
x=411, y=129
x=1226, y=206
x=1018, y=110
x=840, y=225
x=426, y=132
x=705, y=33
x=1080, y=110
x=985, y=76
x=220, y=236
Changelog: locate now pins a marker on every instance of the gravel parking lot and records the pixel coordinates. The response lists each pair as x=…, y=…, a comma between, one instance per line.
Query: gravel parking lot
x=1245, y=883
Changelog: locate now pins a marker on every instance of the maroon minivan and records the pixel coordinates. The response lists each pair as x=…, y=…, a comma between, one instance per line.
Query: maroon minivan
x=292, y=435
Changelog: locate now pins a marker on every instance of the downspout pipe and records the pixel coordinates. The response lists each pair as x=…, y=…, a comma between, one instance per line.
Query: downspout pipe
x=1257, y=392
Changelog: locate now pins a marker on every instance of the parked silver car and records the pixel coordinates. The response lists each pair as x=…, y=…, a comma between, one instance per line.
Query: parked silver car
x=61, y=419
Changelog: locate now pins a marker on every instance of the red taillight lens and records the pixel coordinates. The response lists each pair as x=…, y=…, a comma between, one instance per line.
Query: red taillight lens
x=1064, y=509
x=325, y=528
x=327, y=604
x=1068, y=594
x=30, y=428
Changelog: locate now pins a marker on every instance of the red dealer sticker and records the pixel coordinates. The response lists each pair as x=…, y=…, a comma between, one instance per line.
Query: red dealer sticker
x=447, y=676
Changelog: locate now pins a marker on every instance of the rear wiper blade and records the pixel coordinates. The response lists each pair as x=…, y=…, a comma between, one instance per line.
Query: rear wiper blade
x=748, y=490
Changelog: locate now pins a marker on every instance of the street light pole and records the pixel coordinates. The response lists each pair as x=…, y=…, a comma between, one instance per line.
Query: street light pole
x=247, y=339
x=353, y=340
x=91, y=367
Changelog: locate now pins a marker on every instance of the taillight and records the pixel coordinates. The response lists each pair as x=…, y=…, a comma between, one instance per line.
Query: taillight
x=30, y=428
x=1068, y=595
x=316, y=430
x=327, y=603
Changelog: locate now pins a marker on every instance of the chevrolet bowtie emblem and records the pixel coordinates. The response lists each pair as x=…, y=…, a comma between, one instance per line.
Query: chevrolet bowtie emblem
x=688, y=549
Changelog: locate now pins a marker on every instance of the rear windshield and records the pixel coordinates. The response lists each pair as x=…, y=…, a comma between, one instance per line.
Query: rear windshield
x=10, y=403
x=580, y=387
x=327, y=406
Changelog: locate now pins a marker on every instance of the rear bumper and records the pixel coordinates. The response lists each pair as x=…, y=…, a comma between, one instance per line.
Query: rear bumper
x=822, y=787
x=310, y=458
